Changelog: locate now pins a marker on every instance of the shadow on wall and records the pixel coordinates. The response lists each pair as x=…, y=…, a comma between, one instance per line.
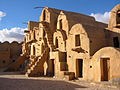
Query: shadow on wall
x=32, y=84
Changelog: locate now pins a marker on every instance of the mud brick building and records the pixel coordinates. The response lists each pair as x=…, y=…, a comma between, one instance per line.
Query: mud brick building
x=70, y=45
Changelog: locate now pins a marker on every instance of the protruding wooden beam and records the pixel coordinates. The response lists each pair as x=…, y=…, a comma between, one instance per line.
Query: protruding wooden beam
x=38, y=7
x=26, y=31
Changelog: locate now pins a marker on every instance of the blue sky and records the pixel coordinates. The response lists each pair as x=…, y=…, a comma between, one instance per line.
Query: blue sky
x=15, y=12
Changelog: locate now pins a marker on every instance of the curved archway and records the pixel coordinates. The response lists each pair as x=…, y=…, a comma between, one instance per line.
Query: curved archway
x=79, y=33
x=114, y=17
x=60, y=40
x=62, y=22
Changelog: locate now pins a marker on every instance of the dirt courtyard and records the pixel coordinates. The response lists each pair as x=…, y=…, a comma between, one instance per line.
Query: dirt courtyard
x=11, y=81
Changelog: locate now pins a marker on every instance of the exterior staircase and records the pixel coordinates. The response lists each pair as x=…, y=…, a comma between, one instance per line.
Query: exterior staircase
x=49, y=35
x=64, y=73
x=36, y=67
x=69, y=75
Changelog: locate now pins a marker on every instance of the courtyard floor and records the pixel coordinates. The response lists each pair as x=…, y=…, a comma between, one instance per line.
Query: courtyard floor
x=15, y=81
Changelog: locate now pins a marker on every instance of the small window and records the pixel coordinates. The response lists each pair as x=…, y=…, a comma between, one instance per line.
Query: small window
x=56, y=42
x=33, y=50
x=44, y=15
x=60, y=24
x=116, y=42
x=77, y=40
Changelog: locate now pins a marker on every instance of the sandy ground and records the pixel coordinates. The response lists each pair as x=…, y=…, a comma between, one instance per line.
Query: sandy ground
x=10, y=81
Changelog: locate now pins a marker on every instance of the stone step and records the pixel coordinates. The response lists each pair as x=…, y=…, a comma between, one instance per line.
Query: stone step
x=34, y=69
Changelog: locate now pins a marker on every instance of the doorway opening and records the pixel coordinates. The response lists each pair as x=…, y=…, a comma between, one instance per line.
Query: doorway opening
x=52, y=67
x=56, y=42
x=79, y=68
x=105, y=69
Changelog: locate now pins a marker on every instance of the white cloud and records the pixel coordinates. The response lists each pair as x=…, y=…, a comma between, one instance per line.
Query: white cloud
x=2, y=14
x=13, y=34
x=101, y=17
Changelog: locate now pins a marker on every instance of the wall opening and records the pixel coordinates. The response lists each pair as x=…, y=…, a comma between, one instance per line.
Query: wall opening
x=60, y=24
x=44, y=15
x=118, y=17
x=56, y=42
x=42, y=48
x=77, y=40
x=79, y=68
x=33, y=50
x=105, y=69
x=53, y=67
x=34, y=34
x=116, y=42
x=43, y=33
x=30, y=36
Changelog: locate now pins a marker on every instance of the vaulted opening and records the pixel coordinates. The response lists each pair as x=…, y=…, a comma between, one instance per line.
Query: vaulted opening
x=44, y=15
x=60, y=24
x=118, y=17
x=56, y=42
x=33, y=50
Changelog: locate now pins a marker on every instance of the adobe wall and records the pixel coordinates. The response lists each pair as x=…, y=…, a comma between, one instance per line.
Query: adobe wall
x=108, y=52
x=92, y=38
x=58, y=30
x=9, y=52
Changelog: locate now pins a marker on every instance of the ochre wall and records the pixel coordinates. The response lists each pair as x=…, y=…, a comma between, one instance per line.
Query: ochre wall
x=9, y=52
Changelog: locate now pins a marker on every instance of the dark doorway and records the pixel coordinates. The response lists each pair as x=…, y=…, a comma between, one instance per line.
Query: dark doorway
x=52, y=67
x=116, y=42
x=105, y=69
x=56, y=42
x=79, y=68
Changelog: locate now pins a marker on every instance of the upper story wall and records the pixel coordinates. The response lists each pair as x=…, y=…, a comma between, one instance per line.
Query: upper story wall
x=66, y=20
x=50, y=15
x=113, y=30
x=71, y=24
x=114, y=21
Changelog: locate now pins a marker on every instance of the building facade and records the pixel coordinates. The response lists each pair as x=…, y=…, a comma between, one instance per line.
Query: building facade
x=71, y=45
